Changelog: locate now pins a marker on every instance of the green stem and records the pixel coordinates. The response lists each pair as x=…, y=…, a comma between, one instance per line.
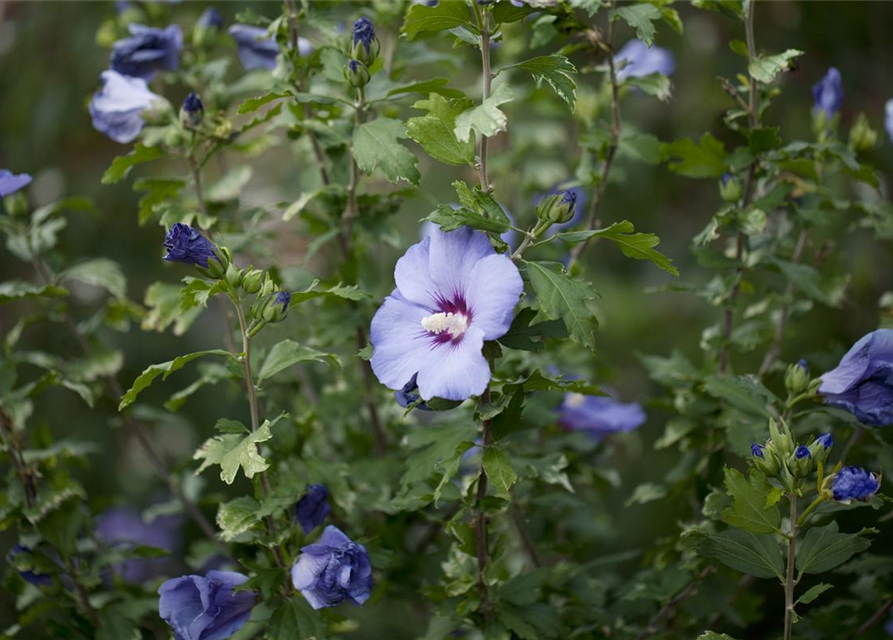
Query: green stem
x=790, y=581
x=812, y=507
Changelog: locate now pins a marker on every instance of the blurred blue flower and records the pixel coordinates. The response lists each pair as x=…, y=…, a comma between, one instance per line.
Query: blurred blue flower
x=313, y=507
x=124, y=527
x=210, y=19
x=453, y=292
x=863, y=381
x=599, y=415
x=187, y=245
x=30, y=576
x=409, y=394
x=11, y=182
x=333, y=570
x=637, y=59
x=827, y=93
x=257, y=50
x=117, y=109
x=205, y=608
x=147, y=51
x=888, y=119
x=855, y=483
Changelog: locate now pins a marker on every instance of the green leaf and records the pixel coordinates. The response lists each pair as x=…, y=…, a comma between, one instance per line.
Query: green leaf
x=646, y=492
x=706, y=159
x=654, y=84
x=122, y=165
x=765, y=68
x=18, y=290
x=450, y=467
x=157, y=191
x=809, y=281
x=499, y=469
x=450, y=219
x=99, y=272
x=345, y=292
x=442, y=17
x=435, y=130
x=745, y=393
x=230, y=186
x=486, y=118
x=824, y=548
x=640, y=17
x=237, y=516
x=426, y=87
x=555, y=69
x=755, y=555
x=163, y=300
x=287, y=353
x=633, y=245
x=712, y=635
x=523, y=335
x=232, y=451
x=147, y=377
x=307, y=197
x=564, y=297
x=375, y=144
x=749, y=510
x=295, y=620
x=643, y=146
x=813, y=593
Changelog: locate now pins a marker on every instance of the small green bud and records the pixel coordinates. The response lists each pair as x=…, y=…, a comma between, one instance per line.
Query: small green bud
x=16, y=204
x=268, y=286
x=801, y=462
x=821, y=447
x=781, y=438
x=364, y=46
x=557, y=208
x=233, y=276
x=207, y=27
x=192, y=112
x=357, y=74
x=729, y=188
x=765, y=459
x=862, y=136
x=252, y=281
x=217, y=269
x=796, y=378
x=272, y=308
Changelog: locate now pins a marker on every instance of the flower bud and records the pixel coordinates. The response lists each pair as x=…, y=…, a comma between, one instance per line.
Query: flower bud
x=252, y=281
x=781, y=439
x=862, y=136
x=267, y=288
x=796, y=378
x=765, y=459
x=233, y=276
x=274, y=308
x=729, y=188
x=207, y=27
x=364, y=45
x=357, y=74
x=192, y=112
x=801, y=462
x=557, y=208
x=821, y=447
x=853, y=484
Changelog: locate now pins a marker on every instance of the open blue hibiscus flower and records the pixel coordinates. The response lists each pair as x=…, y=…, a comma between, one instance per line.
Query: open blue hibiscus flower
x=453, y=292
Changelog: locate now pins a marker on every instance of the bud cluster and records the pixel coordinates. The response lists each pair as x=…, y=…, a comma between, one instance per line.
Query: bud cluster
x=785, y=460
x=364, y=49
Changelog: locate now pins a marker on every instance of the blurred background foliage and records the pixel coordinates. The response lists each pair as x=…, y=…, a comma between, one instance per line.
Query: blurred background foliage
x=50, y=60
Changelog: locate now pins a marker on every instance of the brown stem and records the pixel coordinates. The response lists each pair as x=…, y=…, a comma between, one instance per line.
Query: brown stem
x=480, y=528
x=255, y=418
x=381, y=442
x=13, y=449
x=83, y=596
x=594, y=217
x=753, y=118
x=784, y=312
x=879, y=615
x=486, y=81
x=683, y=595
x=526, y=541
x=789, y=578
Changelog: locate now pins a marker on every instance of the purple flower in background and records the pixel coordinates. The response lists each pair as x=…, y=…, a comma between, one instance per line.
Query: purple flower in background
x=863, y=381
x=210, y=19
x=313, y=507
x=117, y=109
x=333, y=570
x=205, y=608
x=599, y=415
x=29, y=575
x=11, y=182
x=855, y=483
x=187, y=245
x=827, y=93
x=637, y=59
x=510, y=237
x=125, y=527
x=147, y=51
x=409, y=395
x=888, y=119
x=257, y=50
x=453, y=292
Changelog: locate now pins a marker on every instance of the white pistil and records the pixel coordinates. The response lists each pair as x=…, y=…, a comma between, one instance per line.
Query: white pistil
x=575, y=400
x=453, y=323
